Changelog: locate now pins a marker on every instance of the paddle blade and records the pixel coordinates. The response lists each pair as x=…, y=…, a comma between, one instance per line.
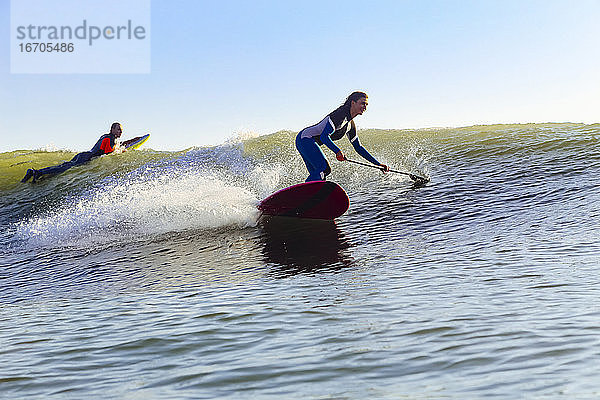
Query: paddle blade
x=419, y=180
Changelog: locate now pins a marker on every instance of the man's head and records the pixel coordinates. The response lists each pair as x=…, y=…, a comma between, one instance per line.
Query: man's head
x=115, y=129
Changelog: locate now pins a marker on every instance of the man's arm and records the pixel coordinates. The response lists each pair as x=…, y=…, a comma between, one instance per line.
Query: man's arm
x=127, y=142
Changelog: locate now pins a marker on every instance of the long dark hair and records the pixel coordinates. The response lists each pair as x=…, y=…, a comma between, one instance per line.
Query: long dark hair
x=354, y=96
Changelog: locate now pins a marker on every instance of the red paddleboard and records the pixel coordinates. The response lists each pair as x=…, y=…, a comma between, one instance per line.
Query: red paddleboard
x=317, y=200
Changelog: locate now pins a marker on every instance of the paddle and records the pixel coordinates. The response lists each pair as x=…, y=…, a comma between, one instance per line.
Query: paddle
x=418, y=179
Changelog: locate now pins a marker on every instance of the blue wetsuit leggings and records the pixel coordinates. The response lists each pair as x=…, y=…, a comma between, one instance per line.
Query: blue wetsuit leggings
x=79, y=159
x=316, y=163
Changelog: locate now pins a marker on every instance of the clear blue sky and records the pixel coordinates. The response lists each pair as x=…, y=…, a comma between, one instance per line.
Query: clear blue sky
x=219, y=68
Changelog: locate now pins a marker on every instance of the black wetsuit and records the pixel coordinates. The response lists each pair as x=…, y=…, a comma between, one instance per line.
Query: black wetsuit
x=334, y=126
x=104, y=145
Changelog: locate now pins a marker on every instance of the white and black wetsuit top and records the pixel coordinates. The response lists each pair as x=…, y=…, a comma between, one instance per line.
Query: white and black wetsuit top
x=334, y=126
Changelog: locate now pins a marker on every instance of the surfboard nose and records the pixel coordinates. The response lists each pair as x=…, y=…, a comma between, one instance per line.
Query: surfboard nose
x=316, y=200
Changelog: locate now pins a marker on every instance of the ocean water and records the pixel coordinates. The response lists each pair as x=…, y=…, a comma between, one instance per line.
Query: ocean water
x=148, y=274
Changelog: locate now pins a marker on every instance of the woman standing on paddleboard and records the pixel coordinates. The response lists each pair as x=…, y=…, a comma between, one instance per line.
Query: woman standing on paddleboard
x=334, y=126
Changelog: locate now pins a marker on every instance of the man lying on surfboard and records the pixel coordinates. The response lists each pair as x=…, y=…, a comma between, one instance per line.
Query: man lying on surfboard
x=105, y=145
x=334, y=126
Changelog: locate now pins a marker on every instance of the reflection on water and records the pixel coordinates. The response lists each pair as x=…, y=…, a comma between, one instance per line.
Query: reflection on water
x=278, y=246
x=292, y=245
x=192, y=258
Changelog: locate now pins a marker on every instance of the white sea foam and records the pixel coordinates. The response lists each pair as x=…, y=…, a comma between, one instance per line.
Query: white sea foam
x=167, y=202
